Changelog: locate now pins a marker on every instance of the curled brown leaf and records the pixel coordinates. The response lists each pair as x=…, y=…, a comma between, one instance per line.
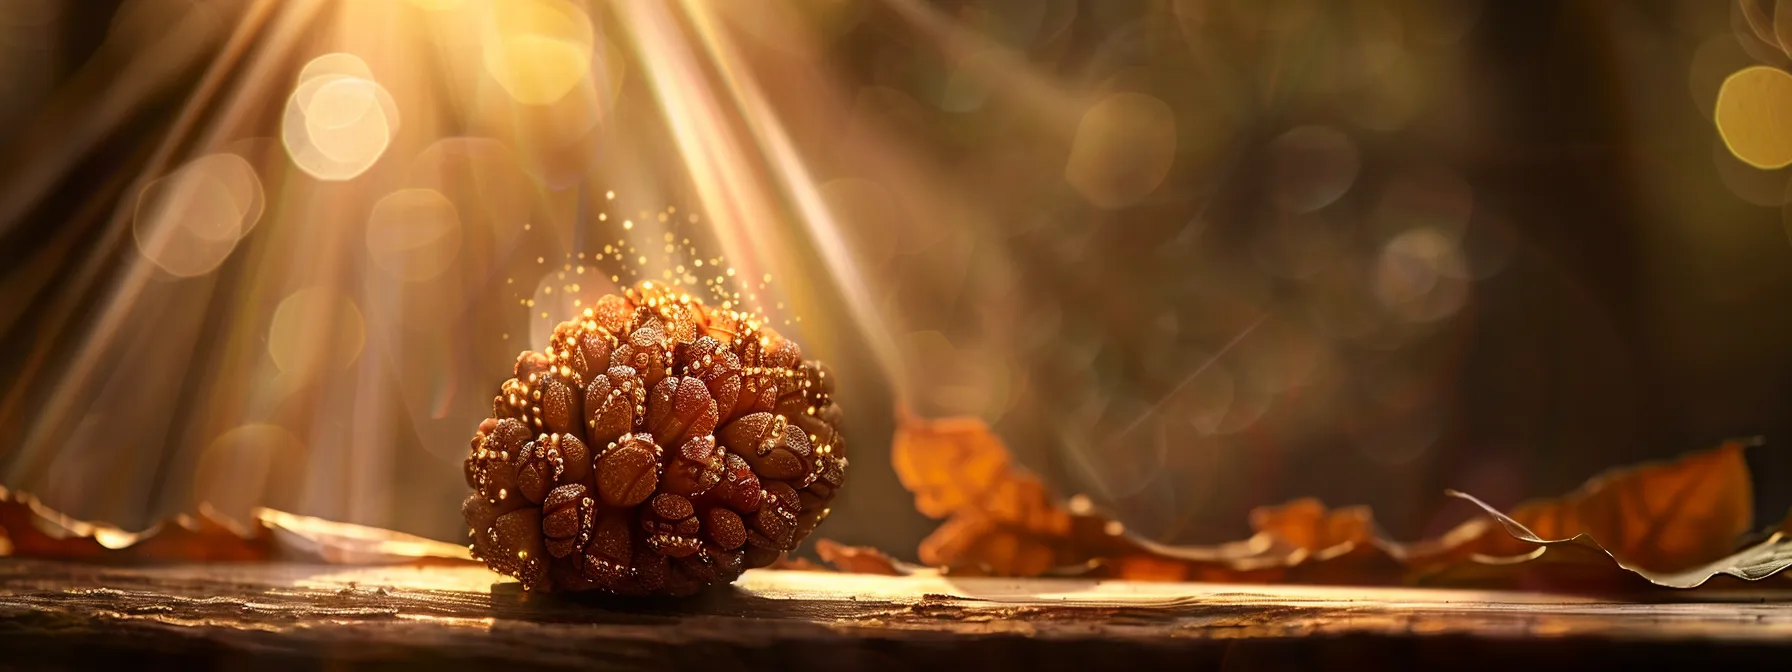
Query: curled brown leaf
x=857, y=559
x=1674, y=524
x=1582, y=562
x=1307, y=524
x=1000, y=518
x=1660, y=517
x=957, y=466
x=30, y=529
x=796, y=565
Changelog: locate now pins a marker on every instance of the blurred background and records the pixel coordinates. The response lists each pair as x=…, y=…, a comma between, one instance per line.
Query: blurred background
x=1186, y=256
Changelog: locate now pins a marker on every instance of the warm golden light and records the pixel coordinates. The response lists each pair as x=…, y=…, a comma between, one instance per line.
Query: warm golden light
x=339, y=103
x=189, y=221
x=339, y=64
x=338, y=121
x=1754, y=115
x=859, y=200
x=1420, y=276
x=256, y=464
x=315, y=330
x=1164, y=237
x=1123, y=150
x=414, y=234
x=487, y=185
x=538, y=50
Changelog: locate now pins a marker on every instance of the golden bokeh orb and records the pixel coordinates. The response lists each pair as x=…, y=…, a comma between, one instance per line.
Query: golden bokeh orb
x=1754, y=116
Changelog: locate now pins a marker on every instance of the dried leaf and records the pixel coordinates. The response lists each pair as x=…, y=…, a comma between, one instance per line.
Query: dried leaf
x=1673, y=524
x=1659, y=517
x=1751, y=564
x=976, y=543
x=34, y=530
x=796, y=565
x=1001, y=519
x=858, y=559
x=1307, y=524
x=29, y=529
x=349, y=544
x=957, y=465
x=1299, y=541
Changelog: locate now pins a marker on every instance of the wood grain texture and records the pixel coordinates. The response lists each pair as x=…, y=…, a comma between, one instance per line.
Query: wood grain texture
x=308, y=616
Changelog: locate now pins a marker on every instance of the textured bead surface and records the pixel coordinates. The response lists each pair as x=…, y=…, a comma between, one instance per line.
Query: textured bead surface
x=654, y=446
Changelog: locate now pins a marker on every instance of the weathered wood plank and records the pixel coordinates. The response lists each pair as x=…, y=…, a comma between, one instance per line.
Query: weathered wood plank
x=308, y=615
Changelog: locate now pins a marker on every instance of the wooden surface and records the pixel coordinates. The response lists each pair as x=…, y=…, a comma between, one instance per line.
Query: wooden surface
x=283, y=615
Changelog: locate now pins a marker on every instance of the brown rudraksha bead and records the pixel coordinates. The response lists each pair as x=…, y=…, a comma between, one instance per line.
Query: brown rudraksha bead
x=655, y=446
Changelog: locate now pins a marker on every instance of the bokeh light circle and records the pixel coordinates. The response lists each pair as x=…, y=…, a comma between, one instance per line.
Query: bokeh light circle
x=335, y=63
x=1421, y=276
x=315, y=329
x=338, y=121
x=189, y=221
x=538, y=50
x=1754, y=116
x=1123, y=150
x=1313, y=166
x=414, y=234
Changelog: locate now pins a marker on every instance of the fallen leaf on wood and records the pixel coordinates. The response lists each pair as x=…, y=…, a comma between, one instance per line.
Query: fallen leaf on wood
x=32, y=529
x=349, y=544
x=957, y=466
x=1307, y=524
x=1675, y=524
x=858, y=559
x=978, y=543
x=1301, y=541
x=1658, y=517
x=796, y=565
x=1316, y=544
x=1750, y=564
x=29, y=529
x=1001, y=519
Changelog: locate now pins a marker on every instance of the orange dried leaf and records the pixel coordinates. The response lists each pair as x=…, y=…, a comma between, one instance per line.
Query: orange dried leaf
x=1586, y=563
x=1307, y=524
x=958, y=465
x=796, y=565
x=1147, y=567
x=971, y=541
x=33, y=530
x=1660, y=517
x=948, y=464
x=1303, y=541
x=29, y=529
x=1672, y=524
x=857, y=559
x=1000, y=518
x=347, y=543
